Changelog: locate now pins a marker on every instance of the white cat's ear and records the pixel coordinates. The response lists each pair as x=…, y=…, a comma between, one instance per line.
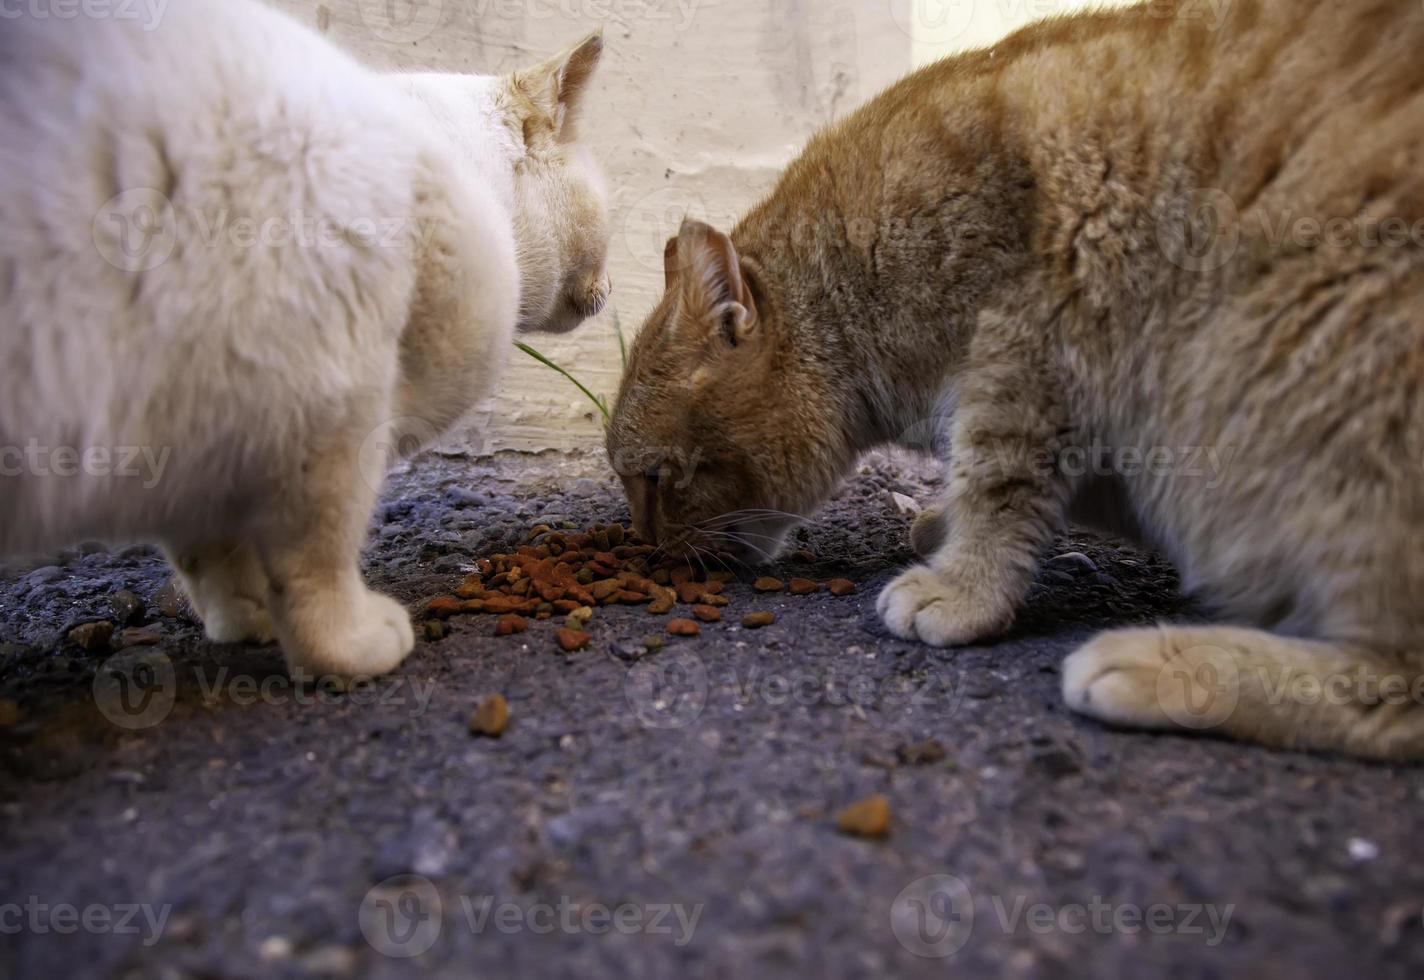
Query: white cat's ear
x=702, y=264
x=555, y=89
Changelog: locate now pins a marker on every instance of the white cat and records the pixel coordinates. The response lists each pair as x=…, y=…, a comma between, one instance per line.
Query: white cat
x=237, y=269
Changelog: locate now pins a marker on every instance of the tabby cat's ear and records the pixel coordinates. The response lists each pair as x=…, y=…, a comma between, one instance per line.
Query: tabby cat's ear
x=714, y=297
x=554, y=90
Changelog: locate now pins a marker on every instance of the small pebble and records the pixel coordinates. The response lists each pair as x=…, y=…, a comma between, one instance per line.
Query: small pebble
x=491, y=717
x=868, y=818
x=435, y=631
x=758, y=620
x=1363, y=850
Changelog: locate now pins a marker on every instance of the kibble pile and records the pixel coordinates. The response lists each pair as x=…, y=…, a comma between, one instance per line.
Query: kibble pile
x=573, y=574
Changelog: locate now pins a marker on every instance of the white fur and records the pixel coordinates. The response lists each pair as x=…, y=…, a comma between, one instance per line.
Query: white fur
x=344, y=275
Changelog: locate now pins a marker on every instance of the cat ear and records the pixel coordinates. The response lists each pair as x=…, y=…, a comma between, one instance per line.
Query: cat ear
x=703, y=266
x=555, y=89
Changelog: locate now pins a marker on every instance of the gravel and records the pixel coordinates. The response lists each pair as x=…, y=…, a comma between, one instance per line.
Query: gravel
x=660, y=805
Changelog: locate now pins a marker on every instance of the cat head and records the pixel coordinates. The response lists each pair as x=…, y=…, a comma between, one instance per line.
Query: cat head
x=561, y=209
x=723, y=433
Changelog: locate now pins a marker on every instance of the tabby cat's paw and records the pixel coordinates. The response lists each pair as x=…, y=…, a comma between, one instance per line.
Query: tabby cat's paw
x=938, y=609
x=366, y=638
x=1136, y=679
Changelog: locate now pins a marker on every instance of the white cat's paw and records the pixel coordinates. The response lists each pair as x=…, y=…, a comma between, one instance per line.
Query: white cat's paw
x=237, y=620
x=935, y=608
x=366, y=638
x=1135, y=679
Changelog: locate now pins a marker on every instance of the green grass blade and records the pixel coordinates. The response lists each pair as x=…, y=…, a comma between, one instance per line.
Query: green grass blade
x=576, y=382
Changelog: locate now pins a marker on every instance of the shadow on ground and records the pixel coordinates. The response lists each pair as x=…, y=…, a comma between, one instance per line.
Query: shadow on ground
x=661, y=815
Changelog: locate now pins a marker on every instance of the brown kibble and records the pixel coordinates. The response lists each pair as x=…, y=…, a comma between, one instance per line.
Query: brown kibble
x=841, y=587
x=768, y=584
x=683, y=627
x=602, y=590
x=630, y=598
x=757, y=620
x=661, y=606
x=564, y=606
x=491, y=718
x=721, y=577
x=680, y=575
x=444, y=607
x=689, y=592
x=707, y=614
x=615, y=535
x=572, y=641
x=803, y=586
x=720, y=601
x=472, y=588
x=511, y=624
x=661, y=576
x=867, y=818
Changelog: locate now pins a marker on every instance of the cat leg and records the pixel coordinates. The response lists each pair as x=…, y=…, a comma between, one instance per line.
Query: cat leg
x=1252, y=686
x=1004, y=501
x=929, y=531
x=227, y=588
x=328, y=621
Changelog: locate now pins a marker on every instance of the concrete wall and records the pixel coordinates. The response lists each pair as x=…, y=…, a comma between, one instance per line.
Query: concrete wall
x=698, y=106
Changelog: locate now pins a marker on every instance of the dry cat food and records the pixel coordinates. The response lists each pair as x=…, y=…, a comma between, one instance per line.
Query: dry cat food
x=491, y=717
x=868, y=818
x=570, y=574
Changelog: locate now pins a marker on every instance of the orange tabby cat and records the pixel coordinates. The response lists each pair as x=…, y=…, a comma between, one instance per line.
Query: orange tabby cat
x=1159, y=271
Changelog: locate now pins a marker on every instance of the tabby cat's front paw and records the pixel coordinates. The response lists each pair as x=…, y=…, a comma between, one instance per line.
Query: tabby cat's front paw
x=367, y=637
x=941, y=609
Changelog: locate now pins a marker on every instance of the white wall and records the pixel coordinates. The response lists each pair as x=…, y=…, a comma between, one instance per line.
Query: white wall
x=699, y=104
